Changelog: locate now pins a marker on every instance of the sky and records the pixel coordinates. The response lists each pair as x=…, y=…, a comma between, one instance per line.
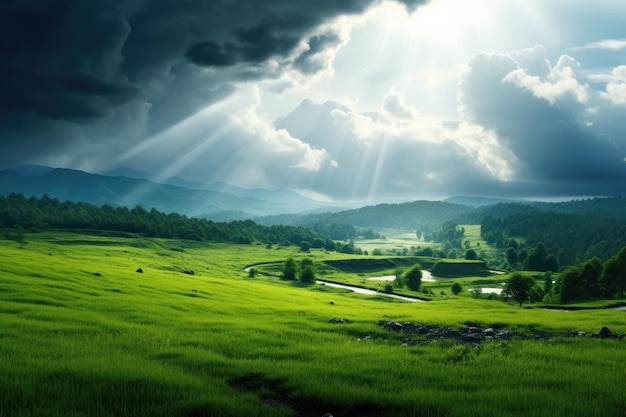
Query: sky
x=351, y=100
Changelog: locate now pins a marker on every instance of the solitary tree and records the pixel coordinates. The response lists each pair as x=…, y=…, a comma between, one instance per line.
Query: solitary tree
x=413, y=278
x=470, y=255
x=307, y=270
x=290, y=269
x=518, y=287
x=456, y=288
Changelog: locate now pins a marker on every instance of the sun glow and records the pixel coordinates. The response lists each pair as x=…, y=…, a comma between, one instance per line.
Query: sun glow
x=449, y=20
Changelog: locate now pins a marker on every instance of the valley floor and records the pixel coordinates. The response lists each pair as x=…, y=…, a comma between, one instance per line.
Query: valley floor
x=85, y=334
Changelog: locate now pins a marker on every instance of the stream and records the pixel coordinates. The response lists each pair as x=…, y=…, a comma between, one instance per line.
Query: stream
x=426, y=277
x=360, y=290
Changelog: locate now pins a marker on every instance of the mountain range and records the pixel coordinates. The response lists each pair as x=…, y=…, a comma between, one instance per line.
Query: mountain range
x=224, y=202
x=125, y=187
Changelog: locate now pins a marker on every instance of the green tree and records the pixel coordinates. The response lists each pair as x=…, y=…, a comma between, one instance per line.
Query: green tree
x=536, y=259
x=570, y=285
x=398, y=282
x=614, y=276
x=551, y=264
x=471, y=255
x=427, y=251
x=348, y=247
x=456, y=288
x=307, y=270
x=318, y=243
x=290, y=269
x=590, y=277
x=522, y=255
x=518, y=287
x=308, y=274
x=413, y=278
x=547, y=282
x=511, y=255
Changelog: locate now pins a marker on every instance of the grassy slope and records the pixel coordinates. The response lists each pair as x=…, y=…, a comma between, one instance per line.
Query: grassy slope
x=164, y=343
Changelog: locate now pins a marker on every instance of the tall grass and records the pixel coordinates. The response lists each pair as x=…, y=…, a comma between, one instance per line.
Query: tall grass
x=82, y=333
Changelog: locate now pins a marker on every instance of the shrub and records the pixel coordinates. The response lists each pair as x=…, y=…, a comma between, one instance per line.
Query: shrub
x=413, y=278
x=456, y=288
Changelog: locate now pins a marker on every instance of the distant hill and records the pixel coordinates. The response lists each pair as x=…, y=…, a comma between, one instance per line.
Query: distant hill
x=476, y=201
x=268, y=195
x=74, y=185
x=423, y=215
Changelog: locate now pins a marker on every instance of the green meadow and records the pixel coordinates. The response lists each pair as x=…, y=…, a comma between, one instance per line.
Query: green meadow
x=83, y=334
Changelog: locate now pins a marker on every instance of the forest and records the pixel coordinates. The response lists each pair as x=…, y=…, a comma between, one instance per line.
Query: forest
x=35, y=214
x=572, y=238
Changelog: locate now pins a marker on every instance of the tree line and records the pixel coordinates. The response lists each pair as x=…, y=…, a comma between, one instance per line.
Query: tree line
x=38, y=214
x=589, y=280
x=571, y=238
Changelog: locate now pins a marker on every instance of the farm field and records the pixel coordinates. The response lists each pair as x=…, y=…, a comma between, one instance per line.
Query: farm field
x=392, y=239
x=83, y=333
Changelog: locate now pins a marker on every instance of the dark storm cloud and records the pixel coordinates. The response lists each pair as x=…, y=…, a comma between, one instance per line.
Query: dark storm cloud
x=81, y=65
x=59, y=58
x=210, y=53
x=278, y=34
x=310, y=61
x=546, y=117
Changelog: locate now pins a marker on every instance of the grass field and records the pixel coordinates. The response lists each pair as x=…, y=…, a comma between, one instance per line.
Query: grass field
x=83, y=334
x=393, y=239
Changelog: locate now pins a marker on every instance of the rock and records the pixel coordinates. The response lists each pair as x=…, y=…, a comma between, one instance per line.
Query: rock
x=472, y=338
x=274, y=403
x=473, y=334
x=335, y=320
x=188, y=272
x=139, y=270
x=394, y=325
x=327, y=415
x=503, y=334
x=605, y=333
